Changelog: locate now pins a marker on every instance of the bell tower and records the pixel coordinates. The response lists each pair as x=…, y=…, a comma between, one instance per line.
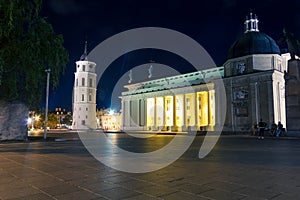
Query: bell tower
x=84, y=94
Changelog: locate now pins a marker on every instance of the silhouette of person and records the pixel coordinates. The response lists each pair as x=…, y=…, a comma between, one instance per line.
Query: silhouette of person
x=261, y=129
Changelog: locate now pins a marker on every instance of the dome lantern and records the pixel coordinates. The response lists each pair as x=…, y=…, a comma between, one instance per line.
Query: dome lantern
x=251, y=23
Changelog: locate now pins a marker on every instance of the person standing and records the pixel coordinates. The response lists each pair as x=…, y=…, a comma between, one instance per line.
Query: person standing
x=261, y=129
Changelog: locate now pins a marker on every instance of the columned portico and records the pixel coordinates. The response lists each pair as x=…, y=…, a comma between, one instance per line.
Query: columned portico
x=182, y=109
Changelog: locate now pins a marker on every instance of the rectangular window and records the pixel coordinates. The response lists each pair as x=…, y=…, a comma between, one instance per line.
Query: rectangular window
x=83, y=81
x=90, y=97
x=188, y=104
x=168, y=104
x=76, y=81
x=91, y=82
x=83, y=68
x=82, y=97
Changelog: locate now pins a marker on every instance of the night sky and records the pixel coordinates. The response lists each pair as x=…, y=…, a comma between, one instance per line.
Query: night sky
x=215, y=24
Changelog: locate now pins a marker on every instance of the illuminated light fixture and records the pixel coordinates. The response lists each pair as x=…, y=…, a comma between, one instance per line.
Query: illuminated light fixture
x=111, y=112
x=29, y=120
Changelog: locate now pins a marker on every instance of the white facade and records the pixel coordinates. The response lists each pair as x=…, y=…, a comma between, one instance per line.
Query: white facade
x=84, y=95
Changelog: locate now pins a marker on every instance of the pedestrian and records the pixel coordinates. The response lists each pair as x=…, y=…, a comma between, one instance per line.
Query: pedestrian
x=279, y=129
x=273, y=128
x=261, y=129
x=254, y=128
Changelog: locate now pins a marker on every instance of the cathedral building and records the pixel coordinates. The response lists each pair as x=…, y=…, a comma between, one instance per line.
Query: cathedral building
x=254, y=81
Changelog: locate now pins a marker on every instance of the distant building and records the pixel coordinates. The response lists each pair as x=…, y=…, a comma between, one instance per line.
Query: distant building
x=84, y=94
x=111, y=122
x=63, y=117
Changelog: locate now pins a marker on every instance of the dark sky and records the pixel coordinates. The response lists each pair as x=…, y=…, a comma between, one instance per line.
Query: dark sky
x=215, y=24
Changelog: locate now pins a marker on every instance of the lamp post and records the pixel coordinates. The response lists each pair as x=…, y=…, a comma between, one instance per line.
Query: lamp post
x=47, y=97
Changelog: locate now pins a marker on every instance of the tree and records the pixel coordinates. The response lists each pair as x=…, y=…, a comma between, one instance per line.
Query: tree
x=28, y=47
x=67, y=119
x=52, y=120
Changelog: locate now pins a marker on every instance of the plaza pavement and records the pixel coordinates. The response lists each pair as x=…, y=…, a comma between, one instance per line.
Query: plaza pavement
x=239, y=167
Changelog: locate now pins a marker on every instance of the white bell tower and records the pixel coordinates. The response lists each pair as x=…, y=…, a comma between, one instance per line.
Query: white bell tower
x=84, y=94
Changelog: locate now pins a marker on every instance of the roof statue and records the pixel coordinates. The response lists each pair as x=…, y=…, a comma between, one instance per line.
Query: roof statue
x=130, y=76
x=293, y=44
x=150, y=70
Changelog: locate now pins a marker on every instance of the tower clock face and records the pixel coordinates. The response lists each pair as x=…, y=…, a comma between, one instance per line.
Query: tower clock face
x=241, y=68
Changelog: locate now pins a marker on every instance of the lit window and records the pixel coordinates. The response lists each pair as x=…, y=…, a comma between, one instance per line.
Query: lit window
x=168, y=104
x=188, y=104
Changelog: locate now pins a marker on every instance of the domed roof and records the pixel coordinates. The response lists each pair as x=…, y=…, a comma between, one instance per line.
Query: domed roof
x=253, y=42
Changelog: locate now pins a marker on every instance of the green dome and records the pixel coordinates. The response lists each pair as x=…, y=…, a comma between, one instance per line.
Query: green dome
x=253, y=43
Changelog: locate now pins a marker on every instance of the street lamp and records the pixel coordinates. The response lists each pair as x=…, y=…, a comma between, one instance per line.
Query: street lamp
x=47, y=97
x=29, y=122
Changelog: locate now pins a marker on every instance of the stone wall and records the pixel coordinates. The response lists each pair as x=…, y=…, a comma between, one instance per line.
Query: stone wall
x=13, y=118
x=293, y=97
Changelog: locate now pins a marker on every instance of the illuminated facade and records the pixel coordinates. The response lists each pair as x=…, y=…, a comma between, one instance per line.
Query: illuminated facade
x=253, y=77
x=84, y=94
x=178, y=103
x=111, y=122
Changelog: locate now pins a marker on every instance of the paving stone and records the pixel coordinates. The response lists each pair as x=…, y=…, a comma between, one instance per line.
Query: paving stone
x=227, y=186
x=59, y=190
x=119, y=193
x=135, y=184
x=222, y=195
x=18, y=192
x=237, y=168
x=258, y=193
x=99, y=186
x=193, y=188
x=38, y=196
x=78, y=195
x=157, y=190
x=182, y=195
x=142, y=197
